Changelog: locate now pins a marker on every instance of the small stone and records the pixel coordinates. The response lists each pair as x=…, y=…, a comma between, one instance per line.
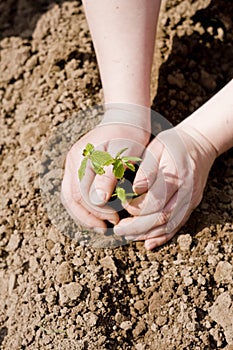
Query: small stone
x=201, y=280
x=154, y=327
x=108, y=263
x=140, y=346
x=222, y=313
x=161, y=320
x=78, y=261
x=176, y=80
x=69, y=292
x=11, y=283
x=64, y=273
x=31, y=62
x=49, y=244
x=140, y=328
x=13, y=242
x=140, y=306
x=184, y=242
x=73, y=290
x=51, y=297
x=90, y=318
x=71, y=332
x=126, y=325
x=119, y=317
x=223, y=272
x=208, y=81
x=220, y=34
x=188, y=280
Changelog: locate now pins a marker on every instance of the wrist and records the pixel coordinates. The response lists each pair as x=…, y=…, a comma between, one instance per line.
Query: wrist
x=128, y=114
x=201, y=143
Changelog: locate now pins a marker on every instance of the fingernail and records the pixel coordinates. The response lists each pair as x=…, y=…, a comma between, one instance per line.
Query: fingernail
x=98, y=196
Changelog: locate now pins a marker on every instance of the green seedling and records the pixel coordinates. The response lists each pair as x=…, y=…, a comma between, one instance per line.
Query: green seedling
x=100, y=159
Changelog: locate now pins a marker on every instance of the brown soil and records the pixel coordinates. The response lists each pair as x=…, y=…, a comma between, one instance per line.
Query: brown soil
x=57, y=294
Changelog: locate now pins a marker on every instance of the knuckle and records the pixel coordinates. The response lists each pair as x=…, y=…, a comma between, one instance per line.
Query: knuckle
x=164, y=217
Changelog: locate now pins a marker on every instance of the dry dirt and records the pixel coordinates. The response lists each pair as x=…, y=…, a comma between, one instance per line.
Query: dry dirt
x=57, y=294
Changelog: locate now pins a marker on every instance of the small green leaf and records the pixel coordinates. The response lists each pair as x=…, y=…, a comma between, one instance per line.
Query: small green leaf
x=120, y=152
x=118, y=169
x=88, y=149
x=101, y=158
x=132, y=159
x=98, y=169
x=130, y=166
x=81, y=170
x=120, y=192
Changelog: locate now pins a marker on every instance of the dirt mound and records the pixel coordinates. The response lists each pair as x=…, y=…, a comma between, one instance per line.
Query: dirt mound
x=56, y=294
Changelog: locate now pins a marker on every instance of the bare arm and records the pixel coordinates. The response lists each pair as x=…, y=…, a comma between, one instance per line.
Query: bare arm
x=214, y=120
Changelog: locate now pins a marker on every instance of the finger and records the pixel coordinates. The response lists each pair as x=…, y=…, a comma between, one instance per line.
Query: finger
x=147, y=171
x=157, y=241
x=161, y=191
x=79, y=192
x=160, y=231
x=104, y=185
x=82, y=215
x=139, y=224
x=154, y=238
x=181, y=210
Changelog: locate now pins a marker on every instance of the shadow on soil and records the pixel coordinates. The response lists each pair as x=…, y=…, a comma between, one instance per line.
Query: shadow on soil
x=19, y=17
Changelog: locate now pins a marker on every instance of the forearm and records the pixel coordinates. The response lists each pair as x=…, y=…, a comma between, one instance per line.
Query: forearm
x=123, y=33
x=214, y=120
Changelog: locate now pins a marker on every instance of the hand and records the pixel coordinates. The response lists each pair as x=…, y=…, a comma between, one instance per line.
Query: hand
x=86, y=200
x=170, y=181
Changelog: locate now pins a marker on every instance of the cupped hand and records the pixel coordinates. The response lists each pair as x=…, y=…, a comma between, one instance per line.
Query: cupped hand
x=86, y=200
x=170, y=183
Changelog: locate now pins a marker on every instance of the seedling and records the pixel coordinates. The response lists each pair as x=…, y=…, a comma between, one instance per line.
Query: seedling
x=101, y=159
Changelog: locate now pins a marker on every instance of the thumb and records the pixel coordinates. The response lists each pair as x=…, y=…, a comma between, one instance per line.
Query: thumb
x=102, y=187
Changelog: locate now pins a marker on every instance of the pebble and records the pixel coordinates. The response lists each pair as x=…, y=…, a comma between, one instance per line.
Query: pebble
x=13, y=242
x=126, y=325
x=188, y=281
x=223, y=272
x=184, y=242
x=90, y=318
x=222, y=313
x=140, y=306
x=11, y=283
x=208, y=81
x=64, y=273
x=119, y=317
x=140, y=328
x=69, y=292
x=176, y=80
x=108, y=263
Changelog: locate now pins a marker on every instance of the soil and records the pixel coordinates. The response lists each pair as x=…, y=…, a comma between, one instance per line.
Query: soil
x=58, y=294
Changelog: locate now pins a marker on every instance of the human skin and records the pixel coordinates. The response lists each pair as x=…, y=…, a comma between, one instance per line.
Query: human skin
x=123, y=33
x=174, y=171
